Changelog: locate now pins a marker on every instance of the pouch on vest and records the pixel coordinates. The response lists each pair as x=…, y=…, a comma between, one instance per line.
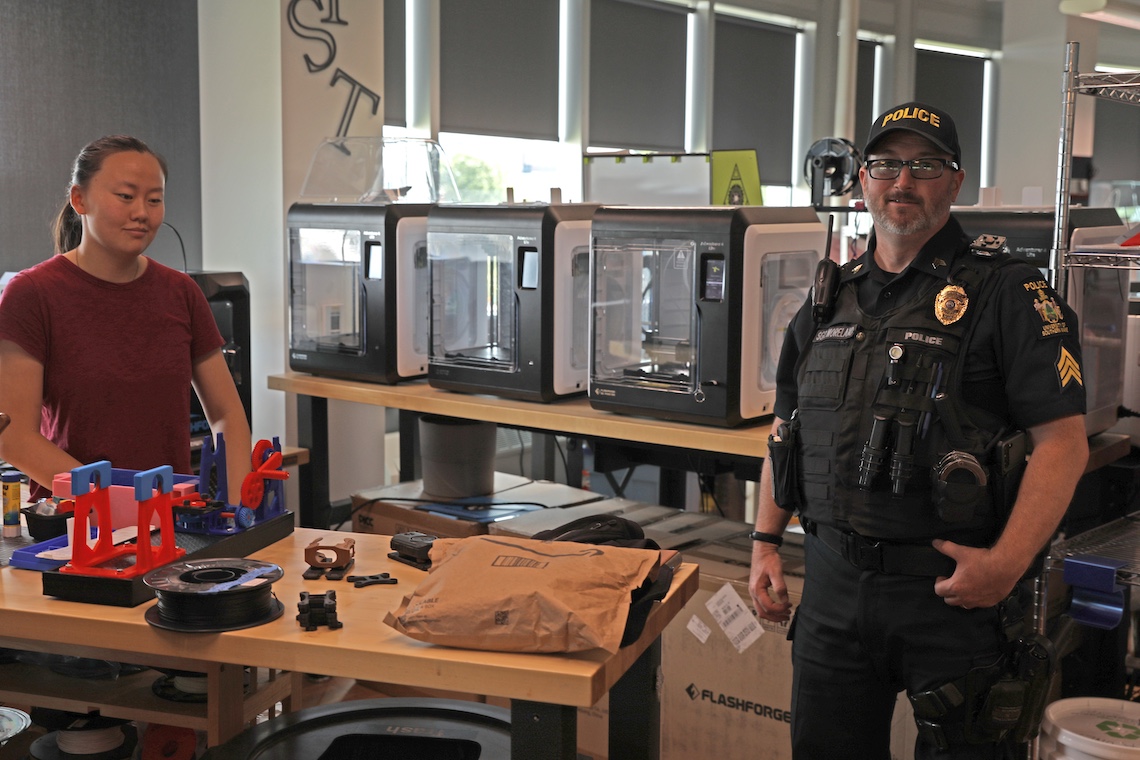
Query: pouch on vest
x=1009, y=466
x=960, y=483
x=783, y=450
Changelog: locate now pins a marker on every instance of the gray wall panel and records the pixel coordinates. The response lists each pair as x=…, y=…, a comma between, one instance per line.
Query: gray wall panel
x=74, y=70
x=1116, y=141
x=754, y=94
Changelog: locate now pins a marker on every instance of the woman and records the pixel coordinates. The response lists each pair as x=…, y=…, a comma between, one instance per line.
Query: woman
x=99, y=345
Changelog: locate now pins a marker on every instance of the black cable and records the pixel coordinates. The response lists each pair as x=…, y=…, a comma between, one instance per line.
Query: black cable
x=185, y=266
x=715, y=500
x=522, y=450
x=356, y=509
x=562, y=456
x=702, y=485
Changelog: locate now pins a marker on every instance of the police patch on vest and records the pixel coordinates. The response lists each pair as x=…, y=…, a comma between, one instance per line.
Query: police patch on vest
x=950, y=304
x=1068, y=369
x=1046, y=306
x=927, y=338
x=835, y=332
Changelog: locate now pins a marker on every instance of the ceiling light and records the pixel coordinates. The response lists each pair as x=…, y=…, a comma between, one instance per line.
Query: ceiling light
x=1108, y=11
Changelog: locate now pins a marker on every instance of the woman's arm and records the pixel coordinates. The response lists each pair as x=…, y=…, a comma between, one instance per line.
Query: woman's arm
x=21, y=398
x=226, y=415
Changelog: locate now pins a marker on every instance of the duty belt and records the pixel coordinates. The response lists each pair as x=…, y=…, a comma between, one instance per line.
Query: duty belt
x=882, y=556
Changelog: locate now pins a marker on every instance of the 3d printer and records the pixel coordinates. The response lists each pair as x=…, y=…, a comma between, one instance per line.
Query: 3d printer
x=228, y=296
x=510, y=299
x=358, y=276
x=690, y=305
x=358, y=268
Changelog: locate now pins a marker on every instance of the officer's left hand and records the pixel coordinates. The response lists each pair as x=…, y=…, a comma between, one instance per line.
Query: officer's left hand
x=981, y=578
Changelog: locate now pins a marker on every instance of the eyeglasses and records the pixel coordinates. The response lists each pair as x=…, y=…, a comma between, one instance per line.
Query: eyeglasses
x=920, y=168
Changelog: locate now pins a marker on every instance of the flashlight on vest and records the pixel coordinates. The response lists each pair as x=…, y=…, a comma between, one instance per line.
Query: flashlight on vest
x=902, y=459
x=874, y=452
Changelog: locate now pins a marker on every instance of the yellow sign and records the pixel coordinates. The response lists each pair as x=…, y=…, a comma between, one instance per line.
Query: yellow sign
x=735, y=178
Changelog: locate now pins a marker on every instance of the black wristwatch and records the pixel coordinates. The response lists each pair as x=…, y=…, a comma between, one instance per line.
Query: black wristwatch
x=768, y=538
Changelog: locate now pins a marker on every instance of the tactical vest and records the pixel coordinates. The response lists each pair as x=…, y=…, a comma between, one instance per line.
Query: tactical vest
x=887, y=447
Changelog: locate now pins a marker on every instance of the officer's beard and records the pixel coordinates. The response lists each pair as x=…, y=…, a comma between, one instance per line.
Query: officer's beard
x=931, y=216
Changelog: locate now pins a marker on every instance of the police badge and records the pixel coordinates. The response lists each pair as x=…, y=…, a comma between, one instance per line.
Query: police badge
x=950, y=304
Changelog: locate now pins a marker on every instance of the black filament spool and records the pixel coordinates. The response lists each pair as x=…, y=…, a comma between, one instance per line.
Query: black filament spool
x=213, y=595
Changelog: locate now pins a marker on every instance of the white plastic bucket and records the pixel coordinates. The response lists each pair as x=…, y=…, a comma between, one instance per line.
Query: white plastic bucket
x=1090, y=728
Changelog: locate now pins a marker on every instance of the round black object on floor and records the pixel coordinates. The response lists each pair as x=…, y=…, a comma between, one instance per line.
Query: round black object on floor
x=378, y=729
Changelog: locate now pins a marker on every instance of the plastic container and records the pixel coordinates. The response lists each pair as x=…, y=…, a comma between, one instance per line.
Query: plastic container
x=44, y=526
x=1090, y=728
x=10, y=480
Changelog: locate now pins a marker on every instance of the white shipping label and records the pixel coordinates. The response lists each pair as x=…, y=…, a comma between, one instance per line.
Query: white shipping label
x=698, y=628
x=734, y=618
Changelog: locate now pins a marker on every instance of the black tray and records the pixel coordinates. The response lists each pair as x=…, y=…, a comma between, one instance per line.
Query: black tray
x=131, y=592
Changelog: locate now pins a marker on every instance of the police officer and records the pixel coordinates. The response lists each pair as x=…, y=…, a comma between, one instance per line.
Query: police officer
x=909, y=386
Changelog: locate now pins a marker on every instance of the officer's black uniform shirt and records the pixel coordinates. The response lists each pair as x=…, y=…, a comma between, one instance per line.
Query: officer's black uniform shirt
x=1023, y=363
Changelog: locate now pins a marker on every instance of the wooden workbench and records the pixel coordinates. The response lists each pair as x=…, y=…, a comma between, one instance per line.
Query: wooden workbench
x=546, y=688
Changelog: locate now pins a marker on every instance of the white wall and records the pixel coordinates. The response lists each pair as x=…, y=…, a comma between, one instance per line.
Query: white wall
x=317, y=58
x=1118, y=46
x=253, y=162
x=239, y=48
x=1030, y=98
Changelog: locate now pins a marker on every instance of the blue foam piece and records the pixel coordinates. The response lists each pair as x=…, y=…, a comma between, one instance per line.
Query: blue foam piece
x=26, y=557
x=1093, y=572
x=1096, y=609
x=1098, y=599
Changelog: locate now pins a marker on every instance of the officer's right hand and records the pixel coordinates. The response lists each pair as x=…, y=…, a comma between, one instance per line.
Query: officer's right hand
x=766, y=584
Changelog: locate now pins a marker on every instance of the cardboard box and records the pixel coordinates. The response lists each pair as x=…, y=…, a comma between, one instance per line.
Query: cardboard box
x=688, y=530
x=719, y=702
x=392, y=509
x=401, y=508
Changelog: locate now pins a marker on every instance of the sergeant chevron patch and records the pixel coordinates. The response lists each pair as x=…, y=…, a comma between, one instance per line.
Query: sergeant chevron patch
x=1068, y=369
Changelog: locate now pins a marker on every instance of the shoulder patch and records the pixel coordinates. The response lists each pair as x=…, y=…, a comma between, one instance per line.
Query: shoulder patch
x=1043, y=299
x=1068, y=369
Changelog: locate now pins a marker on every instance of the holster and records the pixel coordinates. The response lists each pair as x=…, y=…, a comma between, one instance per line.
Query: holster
x=1008, y=466
x=783, y=451
x=1001, y=703
x=951, y=714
